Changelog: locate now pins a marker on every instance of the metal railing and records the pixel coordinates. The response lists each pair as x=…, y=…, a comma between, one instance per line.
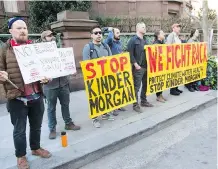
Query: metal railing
x=36, y=38
x=149, y=37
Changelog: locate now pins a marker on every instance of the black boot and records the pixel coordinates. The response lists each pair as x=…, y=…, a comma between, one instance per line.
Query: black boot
x=189, y=87
x=174, y=92
x=195, y=87
x=180, y=91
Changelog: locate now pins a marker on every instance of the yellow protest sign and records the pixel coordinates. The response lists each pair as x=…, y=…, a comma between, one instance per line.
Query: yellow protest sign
x=171, y=65
x=108, y=83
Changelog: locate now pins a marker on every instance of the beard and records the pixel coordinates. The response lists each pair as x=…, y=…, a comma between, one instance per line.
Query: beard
x=22, y=39
x=117, y=38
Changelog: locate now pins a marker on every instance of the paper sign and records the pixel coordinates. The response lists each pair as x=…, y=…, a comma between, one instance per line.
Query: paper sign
x=172, y=65
x=40, y=60
x=109, y=83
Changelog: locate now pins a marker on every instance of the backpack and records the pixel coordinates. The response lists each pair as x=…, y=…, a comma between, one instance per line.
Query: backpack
x=92, y=48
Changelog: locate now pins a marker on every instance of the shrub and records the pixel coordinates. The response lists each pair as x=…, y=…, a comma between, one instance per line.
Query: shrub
x=42, y=13
x=211, y=79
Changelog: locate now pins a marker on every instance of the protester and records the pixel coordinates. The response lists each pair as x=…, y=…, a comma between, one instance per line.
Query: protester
x=114, y=42
x=183, y=39
x=159, y=37
x=173, y=38
x=193, y=39
x=139, y=66
x=26, y=101
x=93, y=50
x=57, y=88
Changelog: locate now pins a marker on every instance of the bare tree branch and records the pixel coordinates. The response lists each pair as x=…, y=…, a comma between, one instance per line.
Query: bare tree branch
x=194, y=17
x=215, y=19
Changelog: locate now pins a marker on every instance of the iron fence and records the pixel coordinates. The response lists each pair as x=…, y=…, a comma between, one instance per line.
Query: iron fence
x=36, y=38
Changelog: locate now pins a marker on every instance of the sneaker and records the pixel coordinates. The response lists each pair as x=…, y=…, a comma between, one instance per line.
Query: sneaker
x=22, y=163
x=52, y=135
x=180, y=91
x=96, y=123
x=195, y=87
x=121, y=109
x=160, y=99
x=191, y=89
x=174, y=93
x=146, y=104
x=107, y=117
x=42, y=153
x=115, y=113
x=137, y=108
x=164, y=98
x=71, y=126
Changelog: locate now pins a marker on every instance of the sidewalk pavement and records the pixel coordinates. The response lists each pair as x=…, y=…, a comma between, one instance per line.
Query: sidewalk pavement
x=90, y=143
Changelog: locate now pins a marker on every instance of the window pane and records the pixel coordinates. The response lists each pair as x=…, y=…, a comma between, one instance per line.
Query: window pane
x=10, y=6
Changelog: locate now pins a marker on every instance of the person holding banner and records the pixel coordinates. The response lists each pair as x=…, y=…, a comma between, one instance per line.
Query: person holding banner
x=173, y=38
x=139, y=65
x=114, y=42
x=93, y=50
x=159, y=37
x=57, y=88
x=24, y=100
x=193, y=39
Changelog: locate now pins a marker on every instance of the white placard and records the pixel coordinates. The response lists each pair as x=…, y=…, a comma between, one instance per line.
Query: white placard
x=40, y=60
x=68, y=61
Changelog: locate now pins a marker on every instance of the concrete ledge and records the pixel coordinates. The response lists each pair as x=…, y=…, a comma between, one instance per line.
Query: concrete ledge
x=130, y=130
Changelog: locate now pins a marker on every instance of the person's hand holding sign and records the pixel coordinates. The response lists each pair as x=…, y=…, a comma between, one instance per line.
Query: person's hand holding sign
x=3, y=76
x=137, y=66
x=45, y=80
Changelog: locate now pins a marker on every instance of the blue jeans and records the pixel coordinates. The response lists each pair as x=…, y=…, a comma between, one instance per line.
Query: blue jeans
x=63, y=94
x=19, y=113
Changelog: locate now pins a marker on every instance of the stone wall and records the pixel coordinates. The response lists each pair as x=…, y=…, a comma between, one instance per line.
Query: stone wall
x=134, y=8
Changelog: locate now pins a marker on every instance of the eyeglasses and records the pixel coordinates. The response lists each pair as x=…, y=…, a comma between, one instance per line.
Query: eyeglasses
x=97, y=33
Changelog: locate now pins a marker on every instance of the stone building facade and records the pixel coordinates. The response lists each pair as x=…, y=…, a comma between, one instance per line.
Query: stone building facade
x=137, y=8
x=110, y=8
x=12, y=8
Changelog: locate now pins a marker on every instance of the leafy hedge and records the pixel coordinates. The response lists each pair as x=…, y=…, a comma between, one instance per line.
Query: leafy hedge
x=125, y=38
x=42, y=13
x=211, y=79
x=128, y=24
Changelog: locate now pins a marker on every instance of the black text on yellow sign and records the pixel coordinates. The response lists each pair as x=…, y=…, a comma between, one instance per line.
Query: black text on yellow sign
x=174, y=65
x=109, y=83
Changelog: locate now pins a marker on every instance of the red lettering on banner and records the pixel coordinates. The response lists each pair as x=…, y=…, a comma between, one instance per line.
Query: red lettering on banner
x=205, y=52
x=197, y=53
x=183, y=55
x=188, y=48
x=201, y=54
x=102, y=63
x=89, y=67
x=169, y=50
x=123, y=61
x=173, y=57
x=193, y=54
x=160, y=64
x=177, y=60
x=152, y=59
x=116, y=68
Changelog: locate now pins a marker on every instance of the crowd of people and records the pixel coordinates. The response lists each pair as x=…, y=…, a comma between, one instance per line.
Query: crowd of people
x=27, y=100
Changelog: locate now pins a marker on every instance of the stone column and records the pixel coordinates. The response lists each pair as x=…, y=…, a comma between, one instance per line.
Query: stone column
x=75, y=27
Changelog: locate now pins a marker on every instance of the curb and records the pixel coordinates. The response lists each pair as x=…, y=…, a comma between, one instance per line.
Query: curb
x=90, y=157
